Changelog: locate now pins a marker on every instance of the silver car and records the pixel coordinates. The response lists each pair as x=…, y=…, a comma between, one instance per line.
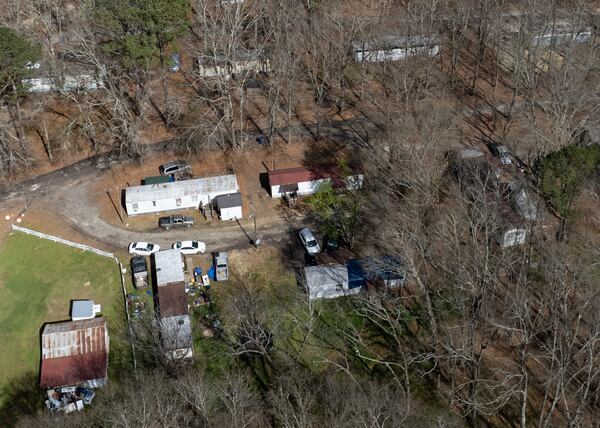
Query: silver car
x=309, y=241
x=174, y=167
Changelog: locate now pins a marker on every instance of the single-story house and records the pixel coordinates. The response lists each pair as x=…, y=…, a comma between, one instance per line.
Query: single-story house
x=75, y=353
x=301, y=181
x=172, y=306
x=229, y=206
x=327, y=282
x=81, y=82
x=154, y=198
x=393, y=47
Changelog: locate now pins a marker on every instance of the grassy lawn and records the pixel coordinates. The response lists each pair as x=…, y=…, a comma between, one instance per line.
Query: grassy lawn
x=38, y=278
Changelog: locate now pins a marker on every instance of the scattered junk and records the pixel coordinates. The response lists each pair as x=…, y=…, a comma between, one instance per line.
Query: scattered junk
x=220, y=266
x=241, y=63
x=84, y=310
x=74, y=362
x=229, y=206
x=172, y=306
x=300, y=181
x=178, y=195
x=394, y=47
x=139, y=270
x=137, y=304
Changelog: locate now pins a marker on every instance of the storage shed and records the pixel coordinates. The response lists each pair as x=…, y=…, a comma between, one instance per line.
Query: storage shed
x=153, y=198
x=75, y=353
x=84, y=309
x=171, y=304
x=327, y=282
x=229, y=206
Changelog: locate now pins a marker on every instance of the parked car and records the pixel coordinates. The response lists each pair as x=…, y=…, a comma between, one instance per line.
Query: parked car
x=139, y=270
x=502, y=153
x=174, y=167
x=175, y=62
x=221, y=267
x=190, y=247
x=177, y=220
x=309, y=241
x=143, y=248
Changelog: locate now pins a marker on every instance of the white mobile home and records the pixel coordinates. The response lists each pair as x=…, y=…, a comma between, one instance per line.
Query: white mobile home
x=328, y=282
x=229, y=206
x=254, y=61
x=153, y=198
x=44, y=85
x=394, y=48
x=301, y=182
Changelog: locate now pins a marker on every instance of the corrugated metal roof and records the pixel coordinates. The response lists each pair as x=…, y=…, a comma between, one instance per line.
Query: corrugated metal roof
x=178, y=189
x=73, y=370
x=74, y=338
x=293, y=175
x=74, y=352
x=169, y=267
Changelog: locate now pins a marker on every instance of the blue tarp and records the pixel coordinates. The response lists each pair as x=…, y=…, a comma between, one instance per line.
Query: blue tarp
x=211, y=273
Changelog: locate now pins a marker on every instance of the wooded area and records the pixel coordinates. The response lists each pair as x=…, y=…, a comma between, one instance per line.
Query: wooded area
x=481, y=335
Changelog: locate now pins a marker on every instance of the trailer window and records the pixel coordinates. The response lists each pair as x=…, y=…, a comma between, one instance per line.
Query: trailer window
x=178, y=202
x=153, y=203
x=135, y=207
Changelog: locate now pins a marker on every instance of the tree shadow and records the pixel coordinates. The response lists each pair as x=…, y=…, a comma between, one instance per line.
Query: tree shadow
x=20, y=396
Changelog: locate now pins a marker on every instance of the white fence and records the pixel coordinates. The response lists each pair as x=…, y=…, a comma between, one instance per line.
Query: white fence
x=63, y=241
x=95, y=251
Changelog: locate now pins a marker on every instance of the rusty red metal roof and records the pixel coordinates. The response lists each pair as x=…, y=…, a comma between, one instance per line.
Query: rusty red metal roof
x=172, y=300
x=293, y=175
x=74, y=352
x=73, y=370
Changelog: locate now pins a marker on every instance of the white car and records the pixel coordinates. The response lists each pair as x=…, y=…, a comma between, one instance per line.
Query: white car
x=309, y=241
x=143, y=248
x=190, y=247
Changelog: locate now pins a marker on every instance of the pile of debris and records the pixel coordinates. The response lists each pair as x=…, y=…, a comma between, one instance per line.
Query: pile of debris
x=68, y=399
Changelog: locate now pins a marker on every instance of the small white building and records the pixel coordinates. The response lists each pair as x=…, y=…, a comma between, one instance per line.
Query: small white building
x=393, y=47
x=328, y=282
x=154, y=198
x=84, y=310
x=229, y=206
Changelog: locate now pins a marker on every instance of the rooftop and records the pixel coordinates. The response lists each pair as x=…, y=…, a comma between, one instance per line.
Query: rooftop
x=391, y=41
x=178, y=189
x=293, y=175
x=74, y=352
x=172, y=300
x=229, y=201
x=83, y=309
x=169, y=267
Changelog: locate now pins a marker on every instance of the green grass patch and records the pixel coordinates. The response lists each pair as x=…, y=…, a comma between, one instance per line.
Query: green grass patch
x=38, y=279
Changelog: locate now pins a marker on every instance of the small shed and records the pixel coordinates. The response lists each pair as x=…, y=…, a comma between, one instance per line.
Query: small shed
x=229, y=206
x=157, y=179
x=327, y=282
x=510, y=231
x=75, y=353
x=84, y=309
x=154, y=198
